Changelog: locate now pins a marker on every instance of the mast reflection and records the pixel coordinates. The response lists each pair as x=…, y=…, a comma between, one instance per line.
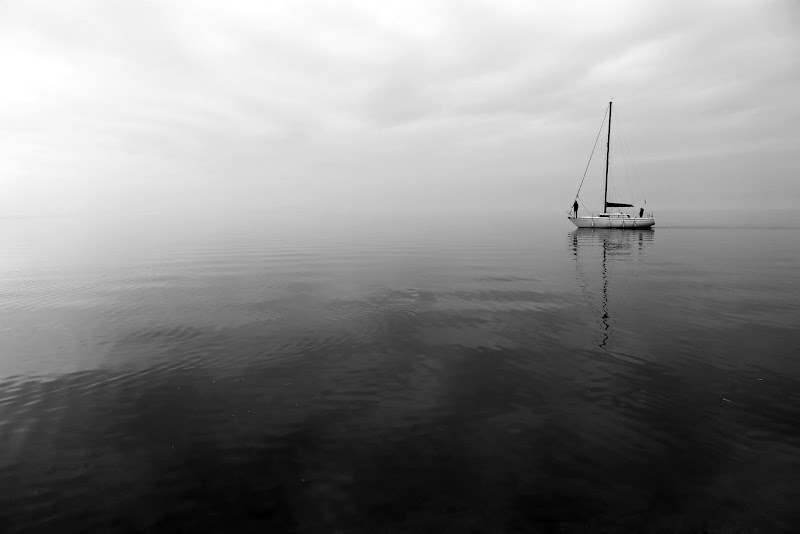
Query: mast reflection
x=604, y=247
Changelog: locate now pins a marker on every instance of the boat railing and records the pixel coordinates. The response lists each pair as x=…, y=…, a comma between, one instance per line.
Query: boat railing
x=571, y=214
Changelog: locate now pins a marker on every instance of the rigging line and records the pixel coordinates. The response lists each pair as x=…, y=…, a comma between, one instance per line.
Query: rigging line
x=614, y=174
x=592, y=154
x=620, y=198
x=629, y=192
x=623, y=173
x=633, y=162
x=628, y=161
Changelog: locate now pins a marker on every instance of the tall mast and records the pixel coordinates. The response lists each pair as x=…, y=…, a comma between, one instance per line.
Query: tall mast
x=608, y=150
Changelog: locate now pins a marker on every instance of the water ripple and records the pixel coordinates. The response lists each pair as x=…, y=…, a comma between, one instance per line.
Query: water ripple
x=431, y=380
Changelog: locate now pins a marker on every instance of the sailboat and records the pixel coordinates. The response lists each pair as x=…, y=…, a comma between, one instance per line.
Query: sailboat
x=609, y=219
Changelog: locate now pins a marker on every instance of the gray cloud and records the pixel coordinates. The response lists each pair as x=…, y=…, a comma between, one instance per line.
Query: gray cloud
x=119, y=106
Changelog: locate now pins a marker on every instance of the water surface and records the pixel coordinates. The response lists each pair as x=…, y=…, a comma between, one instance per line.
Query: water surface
x=451, y=373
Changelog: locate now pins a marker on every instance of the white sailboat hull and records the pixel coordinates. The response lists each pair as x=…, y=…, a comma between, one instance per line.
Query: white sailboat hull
x=612, y=222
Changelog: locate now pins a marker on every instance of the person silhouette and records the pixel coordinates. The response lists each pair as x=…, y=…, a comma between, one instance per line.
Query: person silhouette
x=575, y=207
x=641, y=212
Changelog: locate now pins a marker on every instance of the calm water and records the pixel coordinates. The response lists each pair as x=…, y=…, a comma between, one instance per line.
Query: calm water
x=492, y=373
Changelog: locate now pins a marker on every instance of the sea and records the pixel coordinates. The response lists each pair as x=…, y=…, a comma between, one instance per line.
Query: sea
x=485, y=371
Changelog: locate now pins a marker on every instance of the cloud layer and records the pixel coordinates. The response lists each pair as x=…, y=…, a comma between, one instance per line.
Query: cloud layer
x=197, y=105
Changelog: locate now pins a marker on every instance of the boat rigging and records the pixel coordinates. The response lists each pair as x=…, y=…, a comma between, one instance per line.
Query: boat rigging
x=608, y=219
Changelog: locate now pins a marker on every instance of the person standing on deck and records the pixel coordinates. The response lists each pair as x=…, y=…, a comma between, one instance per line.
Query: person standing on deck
x=575, y=207
x=641, y=212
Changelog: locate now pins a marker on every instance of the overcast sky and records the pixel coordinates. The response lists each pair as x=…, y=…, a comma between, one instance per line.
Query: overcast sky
x=154, y=106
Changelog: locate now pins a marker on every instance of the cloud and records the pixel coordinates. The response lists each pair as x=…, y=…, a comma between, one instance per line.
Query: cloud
x=179, y=104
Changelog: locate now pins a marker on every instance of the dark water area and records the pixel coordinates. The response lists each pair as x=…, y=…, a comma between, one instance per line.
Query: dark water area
x=486, y=373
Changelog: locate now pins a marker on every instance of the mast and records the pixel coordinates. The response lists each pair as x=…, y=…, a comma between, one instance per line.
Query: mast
x=608, y=150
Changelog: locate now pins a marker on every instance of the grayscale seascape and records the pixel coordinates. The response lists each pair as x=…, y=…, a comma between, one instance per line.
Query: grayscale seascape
x=440, y=373
x=399, y=266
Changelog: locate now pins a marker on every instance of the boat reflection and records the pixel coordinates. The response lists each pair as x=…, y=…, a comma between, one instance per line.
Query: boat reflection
x=604, y=247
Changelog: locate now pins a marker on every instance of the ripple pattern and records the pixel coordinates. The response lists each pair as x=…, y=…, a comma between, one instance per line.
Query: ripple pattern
x=427, y=378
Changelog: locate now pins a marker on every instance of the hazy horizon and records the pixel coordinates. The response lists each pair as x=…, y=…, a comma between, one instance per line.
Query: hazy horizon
x=180, y=107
